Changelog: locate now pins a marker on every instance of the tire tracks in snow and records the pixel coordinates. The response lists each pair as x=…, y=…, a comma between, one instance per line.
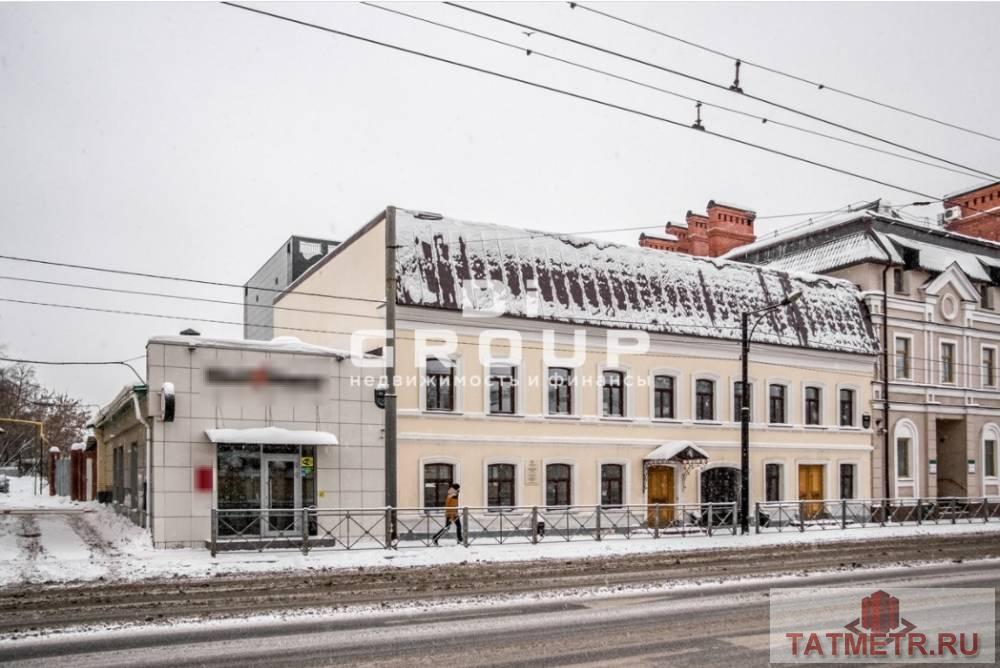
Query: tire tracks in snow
x=28, y=535
x=104, y=552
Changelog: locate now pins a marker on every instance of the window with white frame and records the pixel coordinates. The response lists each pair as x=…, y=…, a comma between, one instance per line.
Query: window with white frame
x=613, y=393
x=903, y=365
x=773, y=480
x=990, y=457
x=947, y=362
x=985, y=297
x=704, y=399
x=848, y=475
x=777, y=400
x=500, y=480
x=558, y=484
x=899, y=281
x=560, y=391
x=612, y=484
x=503, y=389
x=439, y=379
x=813, y=405
x=847, y=407
x=663, y=396
x=438, y=477
x=904, y=451
x=989, y=360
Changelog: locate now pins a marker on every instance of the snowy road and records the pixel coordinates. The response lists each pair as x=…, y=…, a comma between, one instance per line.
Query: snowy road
x=717, y=624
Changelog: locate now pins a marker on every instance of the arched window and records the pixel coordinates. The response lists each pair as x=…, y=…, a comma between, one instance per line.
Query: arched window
x=991, y=442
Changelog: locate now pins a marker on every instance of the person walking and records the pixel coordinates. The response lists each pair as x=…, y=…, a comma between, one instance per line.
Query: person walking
x=450, y=514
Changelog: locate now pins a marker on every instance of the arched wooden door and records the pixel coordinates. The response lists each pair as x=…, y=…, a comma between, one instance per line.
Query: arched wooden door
x=660, y=489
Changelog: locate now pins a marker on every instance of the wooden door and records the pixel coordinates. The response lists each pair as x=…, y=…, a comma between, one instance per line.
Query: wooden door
x=811, y=490
x=660, y=489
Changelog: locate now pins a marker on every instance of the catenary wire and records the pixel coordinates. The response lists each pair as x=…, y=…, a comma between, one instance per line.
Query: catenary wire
x=67, y=363
x=165, y=277
x=707, y=82
x=738, y=112
x=773, y=70
x=578, y=96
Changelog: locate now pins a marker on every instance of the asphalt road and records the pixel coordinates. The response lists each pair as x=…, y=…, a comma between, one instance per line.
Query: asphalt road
x=719, y=624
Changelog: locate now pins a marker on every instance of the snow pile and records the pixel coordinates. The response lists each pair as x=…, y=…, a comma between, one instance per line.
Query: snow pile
x=451, y=264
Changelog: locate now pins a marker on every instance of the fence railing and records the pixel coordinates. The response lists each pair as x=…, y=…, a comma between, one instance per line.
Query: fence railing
x=821, y=515
x=306, y=529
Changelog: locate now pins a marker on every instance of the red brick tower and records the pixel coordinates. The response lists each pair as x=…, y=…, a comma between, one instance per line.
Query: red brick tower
x=724, y=228
x=974, y=213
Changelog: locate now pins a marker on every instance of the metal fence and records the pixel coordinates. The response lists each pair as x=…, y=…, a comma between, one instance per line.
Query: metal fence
x=779, y=516
x=306, y=529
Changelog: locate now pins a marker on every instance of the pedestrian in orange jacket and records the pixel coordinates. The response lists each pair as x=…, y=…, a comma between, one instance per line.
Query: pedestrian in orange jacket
x=450, y=514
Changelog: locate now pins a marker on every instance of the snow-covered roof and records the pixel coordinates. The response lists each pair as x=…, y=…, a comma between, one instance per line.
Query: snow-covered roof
x=281, y=344
x=682, y=450
x=677, y=223
x=730, y=205
x=840, y=252
x=661, y=237
x=937, y=258
x=966, y=191
x=271, y=436
x=589, y=282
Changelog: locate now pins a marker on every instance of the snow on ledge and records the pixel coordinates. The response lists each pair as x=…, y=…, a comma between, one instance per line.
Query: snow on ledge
x=271, y=436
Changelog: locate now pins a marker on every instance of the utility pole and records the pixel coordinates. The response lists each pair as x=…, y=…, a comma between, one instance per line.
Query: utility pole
x=390, y=366
x=747, y=332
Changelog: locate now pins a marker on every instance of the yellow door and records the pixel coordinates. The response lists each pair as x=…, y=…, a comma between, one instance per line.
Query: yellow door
x=811, y=489
x=660, y=489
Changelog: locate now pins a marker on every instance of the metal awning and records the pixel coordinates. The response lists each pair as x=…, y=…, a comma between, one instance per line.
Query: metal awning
x=270, y=436
x=676, y=452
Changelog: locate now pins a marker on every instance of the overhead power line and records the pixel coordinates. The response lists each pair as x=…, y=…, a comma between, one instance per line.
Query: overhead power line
x=124, y=363
x=164, y=277
x=713, y=84
x=665, y=91
x=578, y=96
x=788, y=75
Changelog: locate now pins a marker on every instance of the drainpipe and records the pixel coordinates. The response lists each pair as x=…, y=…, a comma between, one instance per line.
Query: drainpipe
x=885, y=378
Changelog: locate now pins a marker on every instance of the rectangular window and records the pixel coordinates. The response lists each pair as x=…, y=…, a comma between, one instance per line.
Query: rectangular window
x=738, y=401
x=990, y=458
x=776, y=401
x=440, y=385
x=902, y=357
x=704, y=395
x=663, y=397
x=502, y=389
x=560, y=391
x=613, y=393
x=989, y=367
x=985, y=298
x=500, y=486
x=612, y=483
x=898, y=281
x=902, y=457
x=437, y=480
x=813, y=405
x=238, y=487
x=558, y=484
x=847, y=481
x=772, y=482
x=947, y=362
x=847, y=408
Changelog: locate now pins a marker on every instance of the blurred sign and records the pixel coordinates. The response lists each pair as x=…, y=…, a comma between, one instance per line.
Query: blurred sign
x=306, y=462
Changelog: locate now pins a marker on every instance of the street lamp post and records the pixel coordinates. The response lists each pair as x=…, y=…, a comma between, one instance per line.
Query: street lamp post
x=745, y=403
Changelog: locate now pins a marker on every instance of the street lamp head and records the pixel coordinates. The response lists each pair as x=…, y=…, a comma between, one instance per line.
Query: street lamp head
x=792, y=298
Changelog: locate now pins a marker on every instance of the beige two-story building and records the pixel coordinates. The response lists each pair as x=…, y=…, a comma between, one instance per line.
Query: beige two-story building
x=506, y=385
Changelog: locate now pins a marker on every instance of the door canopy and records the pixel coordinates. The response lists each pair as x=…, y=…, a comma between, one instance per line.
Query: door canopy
x=685, y=453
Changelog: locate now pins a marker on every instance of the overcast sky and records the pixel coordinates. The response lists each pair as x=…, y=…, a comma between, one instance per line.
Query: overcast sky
x=193, y=138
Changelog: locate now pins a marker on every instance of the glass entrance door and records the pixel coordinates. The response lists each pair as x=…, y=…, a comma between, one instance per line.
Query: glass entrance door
x=281, y=487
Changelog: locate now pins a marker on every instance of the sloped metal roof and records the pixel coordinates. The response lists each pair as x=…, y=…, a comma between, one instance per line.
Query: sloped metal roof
x=833, y=254
x=448, y=264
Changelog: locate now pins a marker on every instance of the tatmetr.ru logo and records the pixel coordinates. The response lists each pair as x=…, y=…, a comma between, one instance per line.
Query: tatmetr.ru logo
x=901, y=625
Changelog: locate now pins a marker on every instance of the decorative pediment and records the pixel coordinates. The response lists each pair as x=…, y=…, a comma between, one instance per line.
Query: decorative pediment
x=955, y=277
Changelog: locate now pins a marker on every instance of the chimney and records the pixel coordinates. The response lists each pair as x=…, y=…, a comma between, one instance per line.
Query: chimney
x=190, y=332
x=729, y=226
